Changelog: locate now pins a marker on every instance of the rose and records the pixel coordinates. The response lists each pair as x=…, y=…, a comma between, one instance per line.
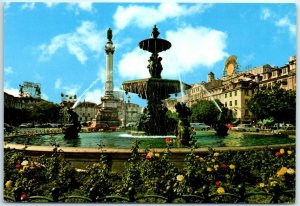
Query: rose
x=168, y=140
x=23, y=196
x=261, y=184
x=216, y=167
x=24, y=163
x=180, y=178
x=290, y=171
x=208, y=169
x=216, y=154
x=9, y=184
x=277, y=154
x=220, y=190
x=218, y=183
x=18, y=166
x=282, y=171
x=232, y=166
x=149, y=155
x=289, y=152
x=281, y=151
x=157, y=155
x=223, y=166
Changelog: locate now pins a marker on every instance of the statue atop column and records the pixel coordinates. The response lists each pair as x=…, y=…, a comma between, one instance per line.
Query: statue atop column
x=109, y=34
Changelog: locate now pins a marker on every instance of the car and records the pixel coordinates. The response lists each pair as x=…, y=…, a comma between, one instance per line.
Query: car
x=26, y=125
x=245, y=128
x=200, y=126
x=99, y=127
x=230, y=125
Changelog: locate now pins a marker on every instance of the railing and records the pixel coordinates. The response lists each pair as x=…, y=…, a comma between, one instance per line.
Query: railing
x=274, y=196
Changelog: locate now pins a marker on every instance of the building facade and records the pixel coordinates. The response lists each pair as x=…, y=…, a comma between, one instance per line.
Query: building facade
x=235, y=88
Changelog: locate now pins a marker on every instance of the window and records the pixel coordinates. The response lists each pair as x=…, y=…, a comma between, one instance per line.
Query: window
x=235, y=93
x=230, y=103
x=225, y=95
x=235, y=102
x=284, y=70
x=246, y=101
x=246, y=112
x=225, y=104
x=274, y=73
x=246, y=92
x=230, y=94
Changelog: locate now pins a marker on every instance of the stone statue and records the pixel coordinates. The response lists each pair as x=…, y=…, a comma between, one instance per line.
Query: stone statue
x=109, y=34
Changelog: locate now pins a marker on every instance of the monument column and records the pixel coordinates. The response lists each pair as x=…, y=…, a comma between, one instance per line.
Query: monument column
x=109, y=50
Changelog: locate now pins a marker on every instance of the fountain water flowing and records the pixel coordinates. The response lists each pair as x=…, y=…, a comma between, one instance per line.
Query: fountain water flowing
x=154, y=89
x=85, y=91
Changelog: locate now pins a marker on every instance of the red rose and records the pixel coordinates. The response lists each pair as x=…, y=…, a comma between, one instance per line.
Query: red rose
x=18, y=166
x=168, y=140
x=23, y=196
x=223, y=166
x=218, y=183
x=277, y=154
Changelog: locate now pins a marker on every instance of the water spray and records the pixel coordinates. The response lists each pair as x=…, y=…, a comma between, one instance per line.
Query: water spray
x=91, y=85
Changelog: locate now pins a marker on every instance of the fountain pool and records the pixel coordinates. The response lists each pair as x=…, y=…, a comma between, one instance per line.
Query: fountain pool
x=124, y=140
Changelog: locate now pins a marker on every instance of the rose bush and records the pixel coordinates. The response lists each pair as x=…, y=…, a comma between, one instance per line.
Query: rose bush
x=154, y=173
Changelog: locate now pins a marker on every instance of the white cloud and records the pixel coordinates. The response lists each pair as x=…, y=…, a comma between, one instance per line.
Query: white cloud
x=79, y=43
x=12, y=91
x=266, y=13
x=144, y=17
x=204, y=48
x=28, y=5
x=80, y=6
x=50, y=4
x=93, y=96
x=71, y=89
x=134, y=64
x=57, y=83
x=8, y=70
x=285, y=22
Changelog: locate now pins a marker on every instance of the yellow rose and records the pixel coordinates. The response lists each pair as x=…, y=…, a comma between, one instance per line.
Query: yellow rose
x=261, y=184
x=273, y=183
x=231, y=166
x=290, y=171
x=208, y=169
x=289, y=152
x=220, y=190
x=281, y=151
x=157, y=155
x=180, y=178
x=8, y=184
x=216, y=167
x=282, y=171
x=216, y=154
x=213, y=160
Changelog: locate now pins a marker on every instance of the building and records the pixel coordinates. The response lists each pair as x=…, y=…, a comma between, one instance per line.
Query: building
x=86, y=111
x=235, y=88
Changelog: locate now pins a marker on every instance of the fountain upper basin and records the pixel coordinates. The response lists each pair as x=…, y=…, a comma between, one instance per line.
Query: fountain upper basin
x=151, y=86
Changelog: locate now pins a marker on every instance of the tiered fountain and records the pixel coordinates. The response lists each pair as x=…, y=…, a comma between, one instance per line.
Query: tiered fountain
x=154, y=89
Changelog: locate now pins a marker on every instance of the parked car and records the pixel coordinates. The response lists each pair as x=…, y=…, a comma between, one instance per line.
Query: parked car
x=230, y=125
x=200, y=126
x=26, y=125
x=245, y=128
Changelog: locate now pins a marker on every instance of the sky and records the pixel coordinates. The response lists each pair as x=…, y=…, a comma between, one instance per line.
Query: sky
x=61, y=45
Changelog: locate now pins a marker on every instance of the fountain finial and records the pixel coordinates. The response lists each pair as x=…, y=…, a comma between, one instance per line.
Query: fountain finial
x=155, y=32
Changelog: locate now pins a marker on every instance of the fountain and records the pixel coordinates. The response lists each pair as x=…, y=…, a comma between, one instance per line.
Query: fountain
x=154, y=89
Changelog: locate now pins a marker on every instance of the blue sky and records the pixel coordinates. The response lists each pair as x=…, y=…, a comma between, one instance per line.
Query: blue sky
x=61, y=45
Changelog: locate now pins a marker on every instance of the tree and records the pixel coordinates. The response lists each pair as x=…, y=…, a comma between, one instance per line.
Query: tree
x=275, y=103
x=205, y=111
x=44, y=111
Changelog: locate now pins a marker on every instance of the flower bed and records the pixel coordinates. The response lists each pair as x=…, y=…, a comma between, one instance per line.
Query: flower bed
x=230, y=176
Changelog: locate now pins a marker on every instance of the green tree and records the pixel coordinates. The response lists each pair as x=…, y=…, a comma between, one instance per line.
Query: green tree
x=45, y=111
x=205, y=111
x=275, y=103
